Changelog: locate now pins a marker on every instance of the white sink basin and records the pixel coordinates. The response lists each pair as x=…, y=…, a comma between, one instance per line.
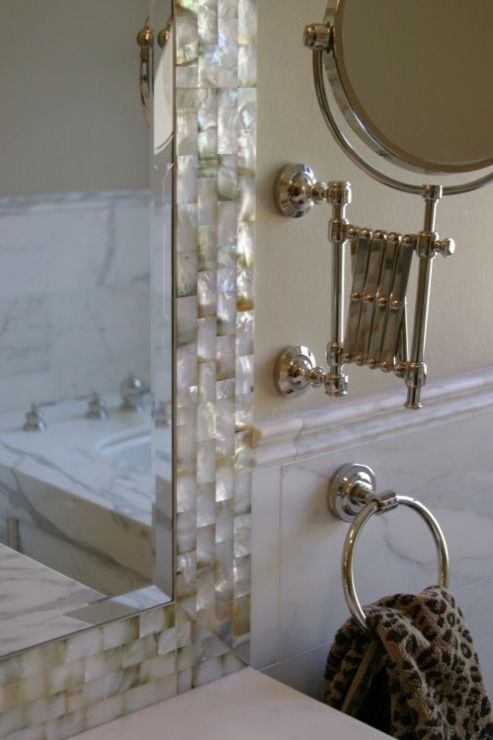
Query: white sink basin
x=133, y=449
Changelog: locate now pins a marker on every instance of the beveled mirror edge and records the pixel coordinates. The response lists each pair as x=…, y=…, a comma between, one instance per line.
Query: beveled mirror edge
x=80, y=681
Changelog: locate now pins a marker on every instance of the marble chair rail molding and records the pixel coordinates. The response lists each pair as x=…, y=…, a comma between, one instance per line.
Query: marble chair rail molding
x=85, y=633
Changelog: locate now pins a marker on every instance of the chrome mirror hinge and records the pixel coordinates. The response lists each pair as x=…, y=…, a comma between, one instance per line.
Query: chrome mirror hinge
x=319, y=37
x=145, y=40
x=428, y=244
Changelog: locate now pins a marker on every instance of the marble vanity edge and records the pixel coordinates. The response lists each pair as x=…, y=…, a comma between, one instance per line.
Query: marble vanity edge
x=344, y=423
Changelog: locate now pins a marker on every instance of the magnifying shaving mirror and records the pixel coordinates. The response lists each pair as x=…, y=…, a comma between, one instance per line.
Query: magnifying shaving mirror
x=404, y=89
x=429, y=111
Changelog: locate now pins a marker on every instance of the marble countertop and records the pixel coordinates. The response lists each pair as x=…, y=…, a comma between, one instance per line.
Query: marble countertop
x=60, y=482
x=67, y=456
x=245, y=706
x=33, y=599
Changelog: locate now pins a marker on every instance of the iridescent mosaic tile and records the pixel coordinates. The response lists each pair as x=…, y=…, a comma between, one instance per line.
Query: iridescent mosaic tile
x=62, y=688
x=216, y=80
x=68, y=686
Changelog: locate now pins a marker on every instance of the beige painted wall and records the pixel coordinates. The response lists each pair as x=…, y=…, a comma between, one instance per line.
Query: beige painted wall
x=70, y=112
x=293, y=257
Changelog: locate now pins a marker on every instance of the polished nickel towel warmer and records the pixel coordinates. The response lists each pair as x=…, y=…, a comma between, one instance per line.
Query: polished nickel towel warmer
x=376, y=331
x=352, y=498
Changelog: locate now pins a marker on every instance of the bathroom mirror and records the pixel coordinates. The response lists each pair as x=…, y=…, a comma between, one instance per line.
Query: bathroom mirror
x=412, y=79
x=86, y=336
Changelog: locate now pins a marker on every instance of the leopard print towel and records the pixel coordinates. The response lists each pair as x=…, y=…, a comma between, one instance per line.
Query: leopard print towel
x=414, y=674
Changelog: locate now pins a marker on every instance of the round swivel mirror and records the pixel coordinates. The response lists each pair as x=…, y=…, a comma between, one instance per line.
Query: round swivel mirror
x=412, y=79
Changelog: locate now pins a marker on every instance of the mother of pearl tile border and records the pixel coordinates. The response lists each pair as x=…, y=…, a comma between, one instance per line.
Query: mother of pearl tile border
x=61, y=688
x=215, y=234
x=64, y=687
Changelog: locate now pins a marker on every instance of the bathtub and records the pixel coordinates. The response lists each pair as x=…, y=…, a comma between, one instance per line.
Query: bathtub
x=80, y=496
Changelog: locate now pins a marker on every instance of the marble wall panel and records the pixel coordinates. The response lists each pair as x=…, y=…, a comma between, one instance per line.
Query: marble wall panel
x=74, y=287
x=25, y=335
x=442, y=459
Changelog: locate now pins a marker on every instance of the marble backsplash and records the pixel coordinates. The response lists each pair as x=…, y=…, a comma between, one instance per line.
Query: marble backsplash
x=74, y=294
x=440, y=455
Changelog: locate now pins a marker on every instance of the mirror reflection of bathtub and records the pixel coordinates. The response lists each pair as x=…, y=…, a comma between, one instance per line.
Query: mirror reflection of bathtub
x=79, y=496
x=85, y=241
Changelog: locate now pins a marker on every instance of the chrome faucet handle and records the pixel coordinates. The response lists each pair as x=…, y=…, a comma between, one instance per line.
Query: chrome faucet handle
x=34, y=420
x=133, y=391
x=97, y=408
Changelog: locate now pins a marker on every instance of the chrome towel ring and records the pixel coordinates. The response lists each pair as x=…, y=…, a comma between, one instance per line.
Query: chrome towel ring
x=352, y=498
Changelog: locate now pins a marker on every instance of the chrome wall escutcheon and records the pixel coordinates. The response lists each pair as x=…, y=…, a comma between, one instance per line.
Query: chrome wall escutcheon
x=352, y=498
x=294, y=368
x=296, y=191
x=293, y=190
x=351, y=488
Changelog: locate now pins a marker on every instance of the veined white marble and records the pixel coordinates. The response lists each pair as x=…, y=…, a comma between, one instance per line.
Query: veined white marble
x=69, y=499
x=74, y=294
x=242, y=706
x=346, y=421
x=33, y=602
x=440, y=455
